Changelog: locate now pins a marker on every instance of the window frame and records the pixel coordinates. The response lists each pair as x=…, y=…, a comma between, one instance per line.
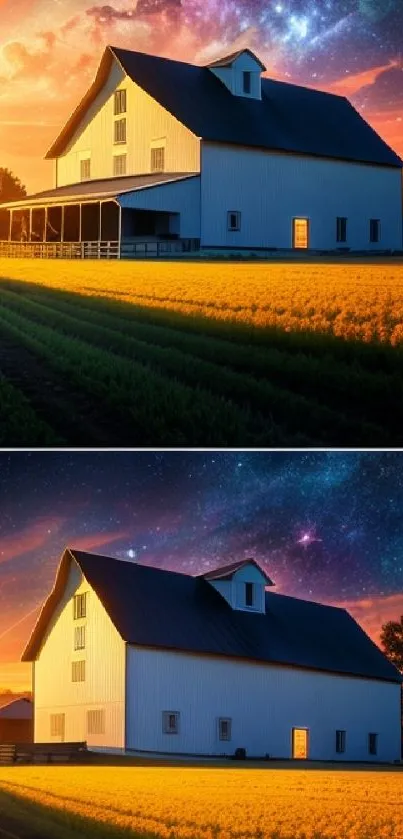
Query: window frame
x=374, y=231
x=156, y=153
x=120, y=157
x=249, y=590
x=84, y=162
x=247, y=82
x=54, y=729
x=228, y=721
x=117, y=125
x=120, y=102
x=80, y=612
x=238, y=220
x=80, y=631
x=341, y=229
x=95, y=729
x=78, y=668
x=166, y=727
x=372, y=742
x=340, y=741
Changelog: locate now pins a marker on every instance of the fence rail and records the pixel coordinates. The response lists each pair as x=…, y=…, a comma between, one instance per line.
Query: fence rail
x=97, y=250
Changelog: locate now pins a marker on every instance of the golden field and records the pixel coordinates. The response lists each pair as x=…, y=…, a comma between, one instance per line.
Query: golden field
x=219, y=803
x=359, y=300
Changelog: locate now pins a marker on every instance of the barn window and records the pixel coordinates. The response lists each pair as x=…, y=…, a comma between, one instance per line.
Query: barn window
x=341, y=229
x=234, y=220
x=374, y=230
x=120, y=130
x=57, y=722
x=80, y=606
x=249, y=594
x=79, y=637
x=224, y=728
x=340, y=741
x=78, y=671
x=96, y=722
x=170, y=722
x=85, y=169
x=119, y=164
x=120, y=102
x=372, y=743
x=158, y=159
x=247, y=81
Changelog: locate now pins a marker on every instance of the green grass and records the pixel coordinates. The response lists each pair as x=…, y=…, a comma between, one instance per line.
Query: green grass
x=176, y=380
x=18, y=420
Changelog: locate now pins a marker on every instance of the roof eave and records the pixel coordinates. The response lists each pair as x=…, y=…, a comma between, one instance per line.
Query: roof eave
x=73, y=122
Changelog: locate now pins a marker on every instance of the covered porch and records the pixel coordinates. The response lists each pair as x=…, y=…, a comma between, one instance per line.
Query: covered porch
x=125, y=219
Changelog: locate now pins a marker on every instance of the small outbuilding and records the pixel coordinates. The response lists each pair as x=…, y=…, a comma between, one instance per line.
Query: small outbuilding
x=16, y=721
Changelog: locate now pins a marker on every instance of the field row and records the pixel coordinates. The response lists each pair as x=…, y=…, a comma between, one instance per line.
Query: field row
x=169, y=385
x=215, y=803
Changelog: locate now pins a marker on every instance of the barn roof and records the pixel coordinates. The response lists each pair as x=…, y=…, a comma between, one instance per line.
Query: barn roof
x=16, y=709
x=289, y=118
x=152, y=607
x=225, y=572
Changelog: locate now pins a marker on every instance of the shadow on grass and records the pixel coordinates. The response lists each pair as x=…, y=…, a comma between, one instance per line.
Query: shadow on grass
x=26, y=819
x=300, y=388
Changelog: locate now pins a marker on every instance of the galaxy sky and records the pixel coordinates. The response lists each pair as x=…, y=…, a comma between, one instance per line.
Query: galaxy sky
x=325, y=526
x=50, y=50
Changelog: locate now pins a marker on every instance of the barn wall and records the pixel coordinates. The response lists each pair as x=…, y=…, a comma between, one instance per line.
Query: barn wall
x=104, y=687
x=270, y=189
x=147, y=122
x=16, y=731
x=264, y=702
x=182, y=197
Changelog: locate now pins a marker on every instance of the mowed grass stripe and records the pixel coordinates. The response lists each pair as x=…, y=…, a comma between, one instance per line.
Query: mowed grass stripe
x=158, y=410
x=20, y=422
x=362, y=395
x=293, y=412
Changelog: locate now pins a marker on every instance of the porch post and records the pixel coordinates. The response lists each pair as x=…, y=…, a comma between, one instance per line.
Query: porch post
x=80, y=235
x=100, y=222
x=30, y=225
x=120, y=233
x=11, y=226
x=45, y=229
x=62, y=226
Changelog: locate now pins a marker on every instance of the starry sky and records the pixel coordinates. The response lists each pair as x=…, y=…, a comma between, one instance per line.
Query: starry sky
x=50, y=50
x=327, y=526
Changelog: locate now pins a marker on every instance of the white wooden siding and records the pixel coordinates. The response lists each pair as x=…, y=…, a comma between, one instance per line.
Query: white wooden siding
x=104, y=686
x=270, y=189
x=147, y=121
x=264, y=702
x=181, y=197
x=233, y=590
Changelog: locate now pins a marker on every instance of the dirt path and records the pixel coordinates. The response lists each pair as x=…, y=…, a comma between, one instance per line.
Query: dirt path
x=65, y=408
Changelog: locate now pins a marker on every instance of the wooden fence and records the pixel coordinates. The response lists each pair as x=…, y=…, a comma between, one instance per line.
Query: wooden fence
x=98, y=250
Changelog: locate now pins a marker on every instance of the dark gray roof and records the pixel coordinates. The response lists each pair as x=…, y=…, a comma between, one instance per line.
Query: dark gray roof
x=228, y=60
x=225, y=572
x=156, y=608
x=289, y=117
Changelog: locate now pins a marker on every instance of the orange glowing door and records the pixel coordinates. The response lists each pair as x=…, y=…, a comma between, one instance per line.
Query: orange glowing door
x=300, y=234
x=300, y=743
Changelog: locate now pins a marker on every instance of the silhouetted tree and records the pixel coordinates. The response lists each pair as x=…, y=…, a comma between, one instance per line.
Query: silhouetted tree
x=392, y=642
x=11, y=188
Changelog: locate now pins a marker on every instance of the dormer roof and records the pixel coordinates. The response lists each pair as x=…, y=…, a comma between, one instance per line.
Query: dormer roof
x=229, y=60
x=225, y=572
x=152, y=607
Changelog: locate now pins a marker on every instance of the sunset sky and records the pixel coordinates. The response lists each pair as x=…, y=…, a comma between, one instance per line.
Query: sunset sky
x=325, y=526
x=50, y=49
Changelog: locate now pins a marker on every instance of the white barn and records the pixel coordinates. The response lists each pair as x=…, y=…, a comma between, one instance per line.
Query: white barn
x=140, y=660
x=180, y=157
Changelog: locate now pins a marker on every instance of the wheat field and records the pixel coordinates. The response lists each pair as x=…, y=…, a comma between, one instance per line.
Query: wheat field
x=218, y=803
x=352, y=300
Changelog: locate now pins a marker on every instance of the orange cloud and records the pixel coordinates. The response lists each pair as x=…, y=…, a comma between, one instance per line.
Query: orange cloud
x=371, y=613
x=348, y=85
x=31, y=538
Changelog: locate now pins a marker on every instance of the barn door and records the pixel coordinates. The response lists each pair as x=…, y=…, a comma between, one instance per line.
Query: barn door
x=300, y=743
x=300, y=233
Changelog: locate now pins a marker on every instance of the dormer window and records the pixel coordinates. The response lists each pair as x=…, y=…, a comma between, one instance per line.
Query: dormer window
x=242, y=584
x=240, y=72
x=249, y=594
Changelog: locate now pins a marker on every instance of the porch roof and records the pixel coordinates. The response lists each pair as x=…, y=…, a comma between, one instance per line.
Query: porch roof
x=98, y=190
